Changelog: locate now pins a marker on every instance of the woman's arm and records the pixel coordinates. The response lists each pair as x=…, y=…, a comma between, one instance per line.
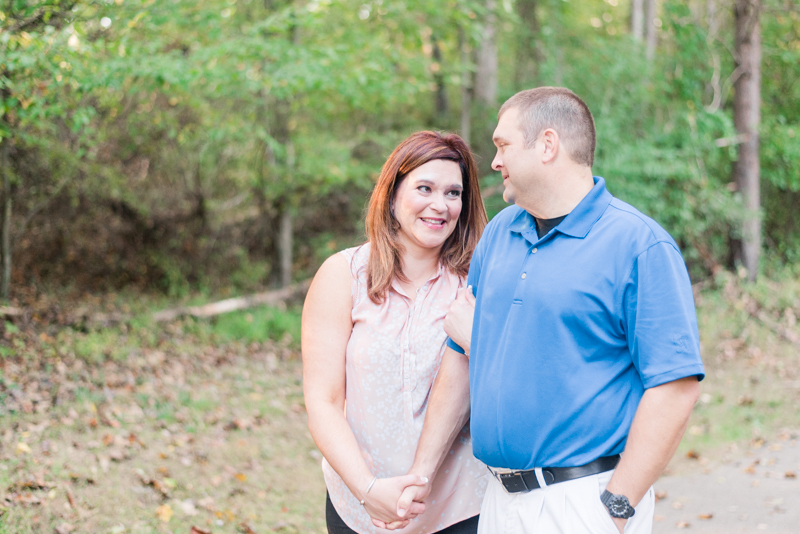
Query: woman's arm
x=326, y=329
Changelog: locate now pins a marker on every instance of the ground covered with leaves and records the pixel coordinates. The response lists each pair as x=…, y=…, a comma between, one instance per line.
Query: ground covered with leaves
x=186, y=431
x=131, y=426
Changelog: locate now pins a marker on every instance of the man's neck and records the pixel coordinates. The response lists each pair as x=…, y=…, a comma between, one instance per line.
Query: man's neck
x=559, y=196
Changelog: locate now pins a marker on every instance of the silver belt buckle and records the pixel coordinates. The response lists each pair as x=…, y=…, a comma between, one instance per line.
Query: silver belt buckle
x=510, y=479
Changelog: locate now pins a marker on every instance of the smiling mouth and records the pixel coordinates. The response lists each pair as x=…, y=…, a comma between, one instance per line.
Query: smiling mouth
x=433, y=222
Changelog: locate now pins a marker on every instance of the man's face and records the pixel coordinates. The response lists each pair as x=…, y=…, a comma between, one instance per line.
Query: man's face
x=516, y=163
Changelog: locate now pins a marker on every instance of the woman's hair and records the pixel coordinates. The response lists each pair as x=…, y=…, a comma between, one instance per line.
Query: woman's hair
x=382, y=228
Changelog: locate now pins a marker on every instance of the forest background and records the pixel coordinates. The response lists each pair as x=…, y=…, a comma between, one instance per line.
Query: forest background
x=175, y=152
x=224, y=146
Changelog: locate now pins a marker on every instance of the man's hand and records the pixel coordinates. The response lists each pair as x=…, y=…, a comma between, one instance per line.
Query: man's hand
x=381, y=502
x=620, y=523
x=411, y=495
x=458, y=323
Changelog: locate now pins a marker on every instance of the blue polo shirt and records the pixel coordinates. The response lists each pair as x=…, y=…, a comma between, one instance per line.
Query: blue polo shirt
x=570, y=329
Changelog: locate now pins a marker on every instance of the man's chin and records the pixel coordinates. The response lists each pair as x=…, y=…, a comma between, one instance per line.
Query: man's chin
x=508, y=196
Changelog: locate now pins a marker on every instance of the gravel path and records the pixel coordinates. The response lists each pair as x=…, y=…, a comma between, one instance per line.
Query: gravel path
x=757, y=490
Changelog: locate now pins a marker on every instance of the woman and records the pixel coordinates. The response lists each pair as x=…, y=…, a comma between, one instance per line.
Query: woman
x=373, y=339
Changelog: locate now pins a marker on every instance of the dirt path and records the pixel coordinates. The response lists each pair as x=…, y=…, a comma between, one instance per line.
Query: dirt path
x=755, y=490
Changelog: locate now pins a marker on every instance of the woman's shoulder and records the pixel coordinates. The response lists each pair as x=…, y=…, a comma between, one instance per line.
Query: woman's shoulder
x=356, y=257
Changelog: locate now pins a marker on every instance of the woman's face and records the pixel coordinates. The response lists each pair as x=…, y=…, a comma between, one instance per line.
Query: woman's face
x=427, y=204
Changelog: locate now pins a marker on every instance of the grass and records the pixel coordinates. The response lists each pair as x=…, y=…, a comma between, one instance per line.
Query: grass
x=260, y=324
x=752, y=383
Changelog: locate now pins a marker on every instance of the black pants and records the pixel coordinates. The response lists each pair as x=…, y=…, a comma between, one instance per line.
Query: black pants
x=337, y=526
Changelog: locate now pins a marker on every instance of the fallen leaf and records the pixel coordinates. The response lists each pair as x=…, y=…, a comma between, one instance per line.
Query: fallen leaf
x=661, y=495
x=164, y=513
x=241, y=477
x=244, y=528
x=188, y=508
x=677, y=505
x=790, y=474
x=104, y=461
x=71, y=498
x=108, y=440
x=163, y=471
x=658, y=518
x=117, y=455
x=23, y=448
x=80, y=478
x=64, y=528
x=682, y=524
x=750, y=469
x=692, y=454
x=207, y=503
x=198, y=530
x=705, y=517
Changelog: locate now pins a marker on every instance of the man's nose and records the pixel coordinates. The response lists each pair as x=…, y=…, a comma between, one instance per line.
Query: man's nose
x=497, y=162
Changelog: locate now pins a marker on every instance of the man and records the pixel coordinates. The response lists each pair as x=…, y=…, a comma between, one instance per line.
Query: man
x=584, y=344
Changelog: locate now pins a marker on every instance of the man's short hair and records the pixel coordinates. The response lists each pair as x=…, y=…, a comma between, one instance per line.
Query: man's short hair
x=563, y=111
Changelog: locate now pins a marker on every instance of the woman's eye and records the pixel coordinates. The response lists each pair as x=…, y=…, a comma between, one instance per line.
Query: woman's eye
x=454, y=194
x=424, y=189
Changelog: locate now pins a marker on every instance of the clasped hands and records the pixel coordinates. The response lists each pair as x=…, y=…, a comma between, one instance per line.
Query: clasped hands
x=393, y=502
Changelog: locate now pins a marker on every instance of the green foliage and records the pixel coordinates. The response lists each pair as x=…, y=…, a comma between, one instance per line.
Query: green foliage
x=169, y=138
x=258, y=325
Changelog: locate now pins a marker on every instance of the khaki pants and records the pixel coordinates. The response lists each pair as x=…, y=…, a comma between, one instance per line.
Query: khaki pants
x=571, y=507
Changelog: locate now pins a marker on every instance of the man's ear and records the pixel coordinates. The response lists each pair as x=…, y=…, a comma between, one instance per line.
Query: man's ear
x=550, y=144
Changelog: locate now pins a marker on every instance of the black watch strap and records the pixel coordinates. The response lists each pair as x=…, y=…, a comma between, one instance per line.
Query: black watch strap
x=618, y=505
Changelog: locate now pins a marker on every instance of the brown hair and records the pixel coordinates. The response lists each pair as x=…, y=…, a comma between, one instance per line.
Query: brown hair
x=560, y=109
x=382, y=228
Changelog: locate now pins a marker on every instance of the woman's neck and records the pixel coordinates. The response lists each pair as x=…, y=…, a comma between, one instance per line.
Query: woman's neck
x=419, y=264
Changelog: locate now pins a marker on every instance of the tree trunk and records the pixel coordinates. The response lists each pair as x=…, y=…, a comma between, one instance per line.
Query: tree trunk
x=637, y=20
x=285, y=244
x=442, y=107
x=6, y=170
x=651, y=30
x=466, y=84
x=486, y=78
x=528, y=54
x=747, y=117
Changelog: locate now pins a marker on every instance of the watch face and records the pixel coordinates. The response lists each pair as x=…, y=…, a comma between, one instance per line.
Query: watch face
x=620, y=507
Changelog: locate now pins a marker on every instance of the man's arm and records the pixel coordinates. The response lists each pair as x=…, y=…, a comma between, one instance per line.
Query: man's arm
x=656, y=431
x=448, y=412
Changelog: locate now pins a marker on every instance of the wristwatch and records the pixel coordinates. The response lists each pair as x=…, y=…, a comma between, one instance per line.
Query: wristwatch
x=618, y=505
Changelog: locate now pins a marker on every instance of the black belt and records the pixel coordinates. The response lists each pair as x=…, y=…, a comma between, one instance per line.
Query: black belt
x=519, y=481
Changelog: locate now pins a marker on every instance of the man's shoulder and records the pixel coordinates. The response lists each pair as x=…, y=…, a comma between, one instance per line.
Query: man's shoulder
x=502, y=221
x=643, y=230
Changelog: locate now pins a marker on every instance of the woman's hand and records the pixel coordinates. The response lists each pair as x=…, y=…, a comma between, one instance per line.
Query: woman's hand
x=381, y=501
x=458, y=323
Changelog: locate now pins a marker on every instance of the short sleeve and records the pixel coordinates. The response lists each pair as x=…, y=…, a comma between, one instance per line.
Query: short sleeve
x=473, y=279
x=660, y=318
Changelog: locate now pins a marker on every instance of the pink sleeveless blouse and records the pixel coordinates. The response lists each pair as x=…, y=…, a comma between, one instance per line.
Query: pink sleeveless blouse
x=392, y=359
